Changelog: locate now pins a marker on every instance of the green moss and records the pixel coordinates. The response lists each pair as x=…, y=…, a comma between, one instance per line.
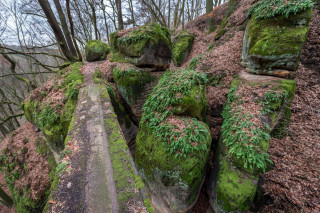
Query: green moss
x=182, y=46
x=279, y=36
x=167, y=99
x=131, y=82
x=126, y=181
x=153, y=158
x=235, y=189
x=134, y=43
x=53, y=125
x=280, y=131
x=220, y=33
x=96, y=50
x=193, y=64
x=147, y=203
x=194, y=104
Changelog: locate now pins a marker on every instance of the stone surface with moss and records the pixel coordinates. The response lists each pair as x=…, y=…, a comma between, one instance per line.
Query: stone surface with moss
x=272, y=45
x=96, y=50
x=172, y=146
x=181, y=47
x=149, y=45
x=126, y=181
x=245, y=137
x=134, y=85
x=54, y=120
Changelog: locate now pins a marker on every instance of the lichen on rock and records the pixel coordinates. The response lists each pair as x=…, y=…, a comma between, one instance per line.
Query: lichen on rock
x=271, y=45
x=149, y=45
x=181, y=47
x=96, y=50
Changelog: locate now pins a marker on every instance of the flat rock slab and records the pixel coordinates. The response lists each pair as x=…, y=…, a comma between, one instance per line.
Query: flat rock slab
x=86, y=173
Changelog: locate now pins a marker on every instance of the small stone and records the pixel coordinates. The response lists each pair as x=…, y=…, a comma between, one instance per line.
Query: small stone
x=69, y=185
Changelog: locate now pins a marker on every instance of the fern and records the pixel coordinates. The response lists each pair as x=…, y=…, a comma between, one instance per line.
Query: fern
x=271, y=8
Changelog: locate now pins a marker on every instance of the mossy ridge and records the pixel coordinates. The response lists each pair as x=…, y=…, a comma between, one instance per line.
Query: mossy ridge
x=55, y=175
x=182, y=46
x=99, y=78
x=96, y=50
x=137, y=40
x=55, y=125
x=167, y=98
x=125, y=179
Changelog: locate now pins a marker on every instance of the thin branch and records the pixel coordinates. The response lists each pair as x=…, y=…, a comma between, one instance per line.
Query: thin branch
x=10, y=117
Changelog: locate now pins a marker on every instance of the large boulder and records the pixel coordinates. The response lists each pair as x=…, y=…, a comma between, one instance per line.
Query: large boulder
x=147, y=46
x=257, y=107
x=181, y=47
x=272, y=46
x=96, y=50
x=173, y=144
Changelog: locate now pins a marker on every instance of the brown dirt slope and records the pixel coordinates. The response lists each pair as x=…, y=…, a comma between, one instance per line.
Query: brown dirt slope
x=19, y=150
x=294, y=183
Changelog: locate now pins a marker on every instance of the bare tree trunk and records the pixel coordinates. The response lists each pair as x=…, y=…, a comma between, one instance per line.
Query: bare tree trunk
x=72, y=30
x=176, y=11
x=169, y=14
x=56, y=29
x=94, y=18
x=105, y=19
x=65, y=28
x=120, y=19
x=209, y=6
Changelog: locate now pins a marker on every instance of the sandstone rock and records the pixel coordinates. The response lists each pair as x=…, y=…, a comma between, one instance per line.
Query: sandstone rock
x=181, y=47
x=275, y=43
x=147, y=46
x=96, y=50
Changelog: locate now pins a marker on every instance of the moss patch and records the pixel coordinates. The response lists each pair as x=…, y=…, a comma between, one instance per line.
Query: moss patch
x=96, y=50
x=182, y=46
x=134, y=43
x=54, y=121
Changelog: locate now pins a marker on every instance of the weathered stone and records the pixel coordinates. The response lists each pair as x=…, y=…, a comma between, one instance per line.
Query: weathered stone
x=174, y=183
x=241, y=154
x=275, y=43
x=134, y=85
x=147, y=46
x=181, y=47
x=96, y=50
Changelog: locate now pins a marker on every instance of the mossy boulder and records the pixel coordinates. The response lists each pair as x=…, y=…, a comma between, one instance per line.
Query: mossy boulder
x=174, y=182
x=245, y=136
x=181, y=47
x=147, y=46
x=272, y=45
x=134, y=85
x=173, y=144
x=51, y=107
x=96, y=50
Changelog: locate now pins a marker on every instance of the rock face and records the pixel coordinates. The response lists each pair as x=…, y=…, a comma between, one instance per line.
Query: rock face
x=134, y=85
x=257, y=107
x=96, y=50
x=273, y=46
x=147, y=46
x=172, y=146
x=51, y=106
x=181, y=47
